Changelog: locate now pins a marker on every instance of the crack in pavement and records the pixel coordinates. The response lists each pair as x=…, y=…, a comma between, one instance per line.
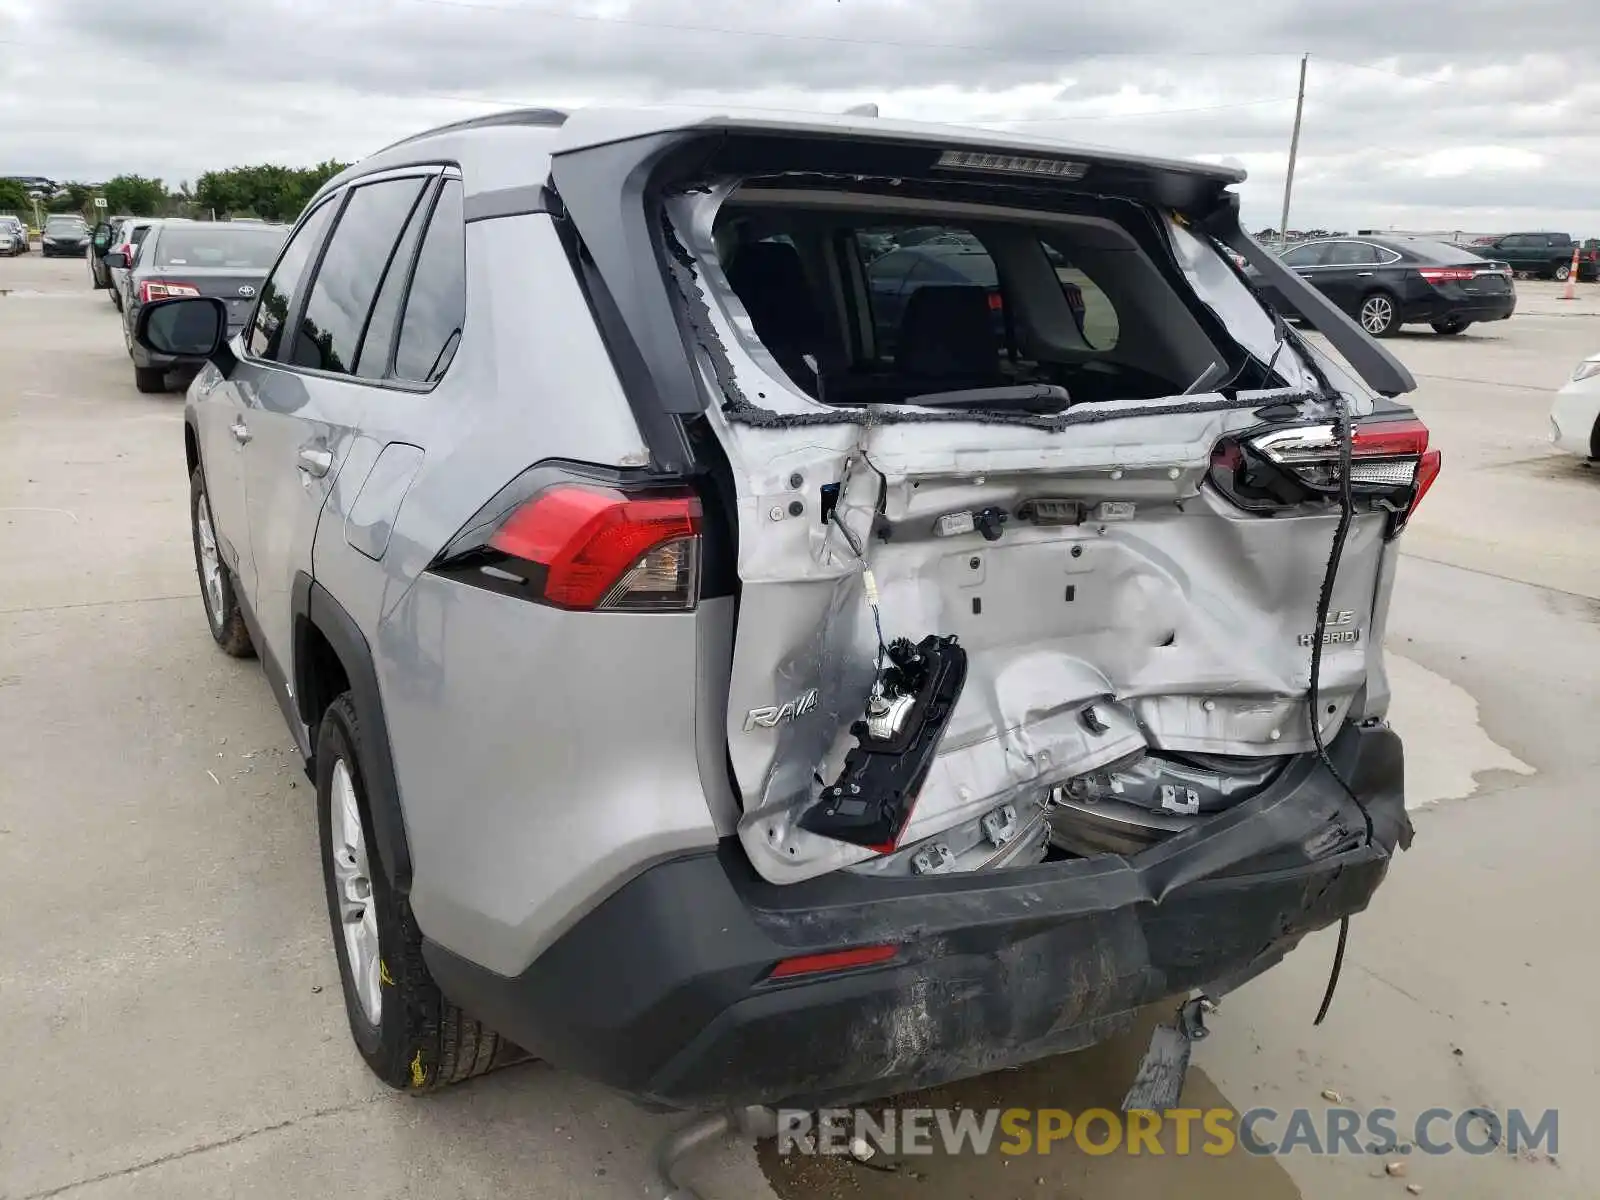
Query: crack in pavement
x=203, y=1147
x=1543, y=587
x=39, y=608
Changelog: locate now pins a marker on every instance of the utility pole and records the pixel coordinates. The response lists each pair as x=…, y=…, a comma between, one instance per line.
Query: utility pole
x=1294, y=149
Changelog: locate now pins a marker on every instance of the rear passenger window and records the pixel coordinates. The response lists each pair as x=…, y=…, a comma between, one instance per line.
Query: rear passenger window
x=279, y=293
x=372, y=361
x=351, y=272
x=1353, y=254
x=1306, y=256
x=436, y=302
x=1092, y=309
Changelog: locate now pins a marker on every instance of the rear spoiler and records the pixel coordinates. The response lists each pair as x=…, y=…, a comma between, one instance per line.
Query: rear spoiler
x=1382, y=371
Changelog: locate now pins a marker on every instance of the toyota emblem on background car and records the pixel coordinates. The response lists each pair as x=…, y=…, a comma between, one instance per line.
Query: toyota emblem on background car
x=246, y=291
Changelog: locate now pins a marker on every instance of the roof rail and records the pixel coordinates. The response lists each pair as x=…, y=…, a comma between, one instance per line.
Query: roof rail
x=549, y=117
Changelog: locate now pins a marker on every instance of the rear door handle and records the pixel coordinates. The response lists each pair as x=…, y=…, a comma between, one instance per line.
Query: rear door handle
x=240, y=431
x=1363, y=274
x=315, y=461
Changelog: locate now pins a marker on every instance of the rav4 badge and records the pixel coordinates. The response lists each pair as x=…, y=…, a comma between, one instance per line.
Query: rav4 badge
x=774, y=715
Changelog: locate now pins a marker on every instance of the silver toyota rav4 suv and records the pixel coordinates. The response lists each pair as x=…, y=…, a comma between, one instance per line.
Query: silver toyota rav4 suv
x=793, y=609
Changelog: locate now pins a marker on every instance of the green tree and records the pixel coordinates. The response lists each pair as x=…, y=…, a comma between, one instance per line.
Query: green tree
x=71, y=198
x=135, y=195
x=273, y=192
x=14, y=199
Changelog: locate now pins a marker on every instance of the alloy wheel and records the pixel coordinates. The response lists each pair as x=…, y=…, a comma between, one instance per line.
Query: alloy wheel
x=358, y=913
x=1377, y=314
x=210, y=561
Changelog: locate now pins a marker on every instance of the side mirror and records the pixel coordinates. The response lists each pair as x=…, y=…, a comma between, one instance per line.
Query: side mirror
x=186, y=327
x=116, y=258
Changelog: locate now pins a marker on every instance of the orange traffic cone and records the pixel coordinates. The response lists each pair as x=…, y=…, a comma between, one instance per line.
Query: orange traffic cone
x=1571, y=292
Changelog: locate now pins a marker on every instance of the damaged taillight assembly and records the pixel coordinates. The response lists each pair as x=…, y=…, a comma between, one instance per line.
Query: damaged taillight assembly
x=1282, y=468
x=583, y=545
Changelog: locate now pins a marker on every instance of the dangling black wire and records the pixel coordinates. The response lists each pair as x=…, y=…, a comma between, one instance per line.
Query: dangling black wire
x=1346, y=436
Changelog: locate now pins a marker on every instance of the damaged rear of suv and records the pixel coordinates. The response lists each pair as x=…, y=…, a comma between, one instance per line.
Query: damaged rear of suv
x=1026, y=508
x=928, y=609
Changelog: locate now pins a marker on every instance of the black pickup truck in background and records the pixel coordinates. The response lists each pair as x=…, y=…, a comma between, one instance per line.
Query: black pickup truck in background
x=1544, y=255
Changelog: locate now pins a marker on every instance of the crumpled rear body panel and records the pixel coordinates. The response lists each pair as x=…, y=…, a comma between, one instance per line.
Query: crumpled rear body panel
x=1181, y=619
x=1182, y=626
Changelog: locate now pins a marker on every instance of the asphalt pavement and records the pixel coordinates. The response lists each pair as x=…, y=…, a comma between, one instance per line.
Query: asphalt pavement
x=170, y=1017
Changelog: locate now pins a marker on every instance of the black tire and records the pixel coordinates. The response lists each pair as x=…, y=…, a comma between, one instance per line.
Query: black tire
x=1371, y=314
x=150, y=380
x=1561, y=272
x=420, y=1041
x=227, y=625
x=1451, y=326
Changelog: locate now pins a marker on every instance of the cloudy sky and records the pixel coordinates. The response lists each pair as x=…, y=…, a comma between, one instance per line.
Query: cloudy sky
x=1479, y=115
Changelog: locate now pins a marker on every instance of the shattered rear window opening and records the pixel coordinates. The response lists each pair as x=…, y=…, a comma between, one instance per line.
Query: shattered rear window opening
x=861, y=311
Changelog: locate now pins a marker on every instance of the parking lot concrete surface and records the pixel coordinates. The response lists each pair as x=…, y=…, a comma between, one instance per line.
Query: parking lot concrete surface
x=170, y=1016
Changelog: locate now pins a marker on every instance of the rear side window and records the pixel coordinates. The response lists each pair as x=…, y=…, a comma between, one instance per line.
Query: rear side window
x=351, y=271
x=1353, y=254
x=282, y=288
x=1307, y=256
x=436, y=302
x=1091, y=308
x=372, y=360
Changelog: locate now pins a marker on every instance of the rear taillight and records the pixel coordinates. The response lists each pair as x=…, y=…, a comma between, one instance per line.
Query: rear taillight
x=1446, y=274
x=995, y=302
x=164, y=289
x=589, y=547
x=1391, y=467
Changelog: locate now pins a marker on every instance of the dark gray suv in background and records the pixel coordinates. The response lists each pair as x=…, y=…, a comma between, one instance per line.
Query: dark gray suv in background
x=725, y=701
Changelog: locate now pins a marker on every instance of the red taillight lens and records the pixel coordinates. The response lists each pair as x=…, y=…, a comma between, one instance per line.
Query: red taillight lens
x=1446, y=274
x=164, y=289
x=1390, y=466
x=586, y=546
x=995, y=302
x=602, y=549
x=833, y=960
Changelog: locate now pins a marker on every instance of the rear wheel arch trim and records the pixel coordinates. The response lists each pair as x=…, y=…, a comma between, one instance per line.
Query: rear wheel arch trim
x=314, y=608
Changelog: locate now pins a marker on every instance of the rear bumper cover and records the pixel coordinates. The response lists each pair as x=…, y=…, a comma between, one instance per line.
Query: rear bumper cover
x=1475, y=308
x=663, y=991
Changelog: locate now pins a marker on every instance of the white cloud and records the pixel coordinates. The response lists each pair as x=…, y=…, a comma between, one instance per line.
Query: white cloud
x=1437, y=113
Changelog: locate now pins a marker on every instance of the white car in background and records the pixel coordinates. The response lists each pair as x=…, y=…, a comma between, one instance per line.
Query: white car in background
x=1575, y=415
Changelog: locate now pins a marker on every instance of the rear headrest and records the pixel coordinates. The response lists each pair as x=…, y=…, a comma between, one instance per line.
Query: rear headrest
x=948, y=331
x=771, y=283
